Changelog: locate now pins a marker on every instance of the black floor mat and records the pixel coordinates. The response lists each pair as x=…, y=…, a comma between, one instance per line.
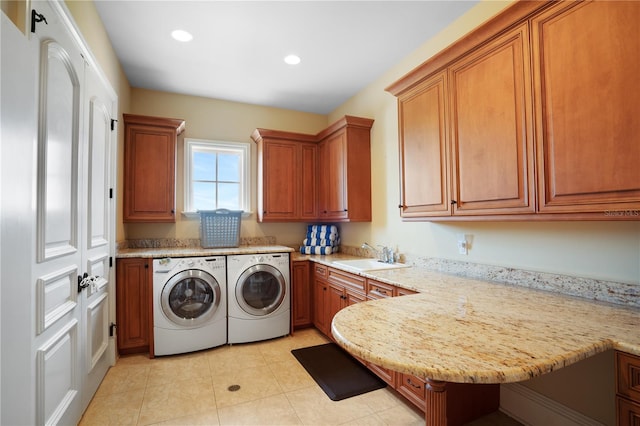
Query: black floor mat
x=337, y=372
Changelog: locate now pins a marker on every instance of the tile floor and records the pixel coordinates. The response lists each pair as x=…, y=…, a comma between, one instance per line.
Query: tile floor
x=192, y=389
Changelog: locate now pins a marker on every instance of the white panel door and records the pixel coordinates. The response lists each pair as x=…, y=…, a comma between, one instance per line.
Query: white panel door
x=59, y=257
x=73, y=224
x=98, y=211
x=19, y=58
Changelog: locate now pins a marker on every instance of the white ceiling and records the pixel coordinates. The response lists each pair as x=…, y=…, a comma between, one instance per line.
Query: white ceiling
x=238, y=46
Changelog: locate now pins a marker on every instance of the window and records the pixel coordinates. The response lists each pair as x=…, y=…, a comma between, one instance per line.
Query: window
x=216, y=175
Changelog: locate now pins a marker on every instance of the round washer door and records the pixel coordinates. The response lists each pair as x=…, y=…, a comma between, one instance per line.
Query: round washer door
x=190, y=298
x=260, y=290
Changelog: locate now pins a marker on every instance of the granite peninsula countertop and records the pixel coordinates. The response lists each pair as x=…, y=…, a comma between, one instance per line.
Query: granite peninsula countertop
x=470, y=331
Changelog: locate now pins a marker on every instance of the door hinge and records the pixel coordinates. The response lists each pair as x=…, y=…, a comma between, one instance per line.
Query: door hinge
x=35, y=18
x=113, y=123
x=112, y=326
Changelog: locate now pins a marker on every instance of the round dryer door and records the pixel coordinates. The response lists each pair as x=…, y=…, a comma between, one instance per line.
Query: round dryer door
x=190, y=298
x=260, y=290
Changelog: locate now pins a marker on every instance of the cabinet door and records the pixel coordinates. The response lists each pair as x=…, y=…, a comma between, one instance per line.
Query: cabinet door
x=353, y=297
x=336, y=301
x=149, y=168
x=320, y=305
x=628, y=412
x=279, y=177
x=332, y=177
x=491, y=128
x=307, y=177
x=301, y=295
x=587, y=107
x=424, y=151
x=133, y=305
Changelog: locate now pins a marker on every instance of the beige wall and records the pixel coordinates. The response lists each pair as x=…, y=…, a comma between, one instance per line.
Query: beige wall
x=224, y=121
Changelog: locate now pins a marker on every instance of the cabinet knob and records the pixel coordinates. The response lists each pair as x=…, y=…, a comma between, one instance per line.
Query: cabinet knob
x=453, y=202
x=345, y=210
x=400, y=206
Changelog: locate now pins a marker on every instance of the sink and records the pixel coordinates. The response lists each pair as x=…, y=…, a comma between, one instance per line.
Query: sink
x=368, y=264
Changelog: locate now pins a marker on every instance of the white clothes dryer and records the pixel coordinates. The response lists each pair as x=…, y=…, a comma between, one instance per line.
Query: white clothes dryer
x=189, y=304
x=259, y=297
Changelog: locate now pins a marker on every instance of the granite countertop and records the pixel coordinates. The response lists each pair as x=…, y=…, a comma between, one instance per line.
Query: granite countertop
x=160, y=252
x=459, y=329
x=471, y=331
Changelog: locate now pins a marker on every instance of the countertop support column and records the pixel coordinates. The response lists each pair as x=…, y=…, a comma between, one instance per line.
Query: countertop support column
x=436, y=403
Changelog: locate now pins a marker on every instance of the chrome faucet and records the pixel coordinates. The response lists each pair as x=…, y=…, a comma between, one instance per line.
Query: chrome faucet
x=386, y=254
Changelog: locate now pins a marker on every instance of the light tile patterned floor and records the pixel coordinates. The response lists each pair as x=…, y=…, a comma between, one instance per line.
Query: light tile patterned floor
x=192, y=389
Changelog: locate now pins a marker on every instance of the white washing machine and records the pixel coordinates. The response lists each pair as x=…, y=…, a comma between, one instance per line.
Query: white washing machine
x=259, y=297
x=189, y=304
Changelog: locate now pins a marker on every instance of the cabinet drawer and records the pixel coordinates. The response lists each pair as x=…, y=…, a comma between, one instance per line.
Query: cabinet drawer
x=405, y=292
x=628, y=413
x=385, y=374
x=628, y=376
x=346, y=279
x=413, y=388
x=380, y=290
x=319, y=271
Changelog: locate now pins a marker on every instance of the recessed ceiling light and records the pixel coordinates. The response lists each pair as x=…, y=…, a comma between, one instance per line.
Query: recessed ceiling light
x=292, y=59
x=181, y=35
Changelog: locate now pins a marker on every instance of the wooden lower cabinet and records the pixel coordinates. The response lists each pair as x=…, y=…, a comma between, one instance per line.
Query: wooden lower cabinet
x=134, y=293
x=627, y=389
x=321, y=299
x=301, y=295
x=628, y=413
x=413, y=388
x=334, y=290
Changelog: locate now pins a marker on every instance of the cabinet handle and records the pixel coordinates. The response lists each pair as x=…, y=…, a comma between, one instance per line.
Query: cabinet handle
x=400, y=206
x=410, y=383
x=345, y=210
x=453, y=202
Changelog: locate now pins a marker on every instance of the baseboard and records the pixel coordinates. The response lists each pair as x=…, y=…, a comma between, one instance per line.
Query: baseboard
x=531, y=408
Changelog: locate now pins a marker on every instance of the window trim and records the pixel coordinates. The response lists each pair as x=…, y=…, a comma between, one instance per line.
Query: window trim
x=243, y=147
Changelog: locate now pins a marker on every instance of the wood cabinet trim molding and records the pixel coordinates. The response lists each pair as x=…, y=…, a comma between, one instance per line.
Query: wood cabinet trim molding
x=176, y=124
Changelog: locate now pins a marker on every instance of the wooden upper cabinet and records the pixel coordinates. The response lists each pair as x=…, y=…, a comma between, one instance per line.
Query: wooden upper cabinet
x=305, y=177
x=150, y=168
x=424, y=150
x=586, y=68
x=286, y=176
x=540, y=108
x=344, y=171
x=491, y=128
x=332, y=183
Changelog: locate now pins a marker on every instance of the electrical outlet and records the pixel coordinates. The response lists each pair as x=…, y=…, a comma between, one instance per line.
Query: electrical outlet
x=463, y=244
